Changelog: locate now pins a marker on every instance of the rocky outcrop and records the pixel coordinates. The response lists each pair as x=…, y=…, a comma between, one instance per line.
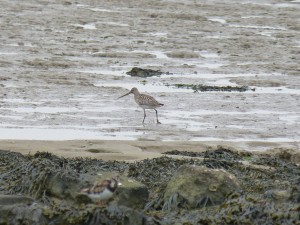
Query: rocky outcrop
x=139, y=72
x=132, y=194
x=17, y=208
x=196, y=186
x=235, y=187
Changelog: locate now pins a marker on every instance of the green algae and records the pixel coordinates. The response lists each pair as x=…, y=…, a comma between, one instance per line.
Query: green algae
x=205, y=88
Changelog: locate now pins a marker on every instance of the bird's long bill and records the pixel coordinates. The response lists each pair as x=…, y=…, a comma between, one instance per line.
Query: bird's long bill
x=124, y=95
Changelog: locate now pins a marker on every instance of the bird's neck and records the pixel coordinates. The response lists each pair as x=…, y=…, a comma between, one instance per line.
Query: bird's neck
x=136, y=94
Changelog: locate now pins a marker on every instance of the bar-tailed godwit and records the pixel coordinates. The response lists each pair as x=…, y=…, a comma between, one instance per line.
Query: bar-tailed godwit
x=144, y=101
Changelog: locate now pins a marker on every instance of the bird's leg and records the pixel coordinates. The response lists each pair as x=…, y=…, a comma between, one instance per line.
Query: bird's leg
x=144, y=115
x=157, y=117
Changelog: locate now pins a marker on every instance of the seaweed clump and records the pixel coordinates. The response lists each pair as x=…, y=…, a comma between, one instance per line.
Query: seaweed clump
x=41, y=189
x=33, y=174
x=139, y=72
x=205, y=88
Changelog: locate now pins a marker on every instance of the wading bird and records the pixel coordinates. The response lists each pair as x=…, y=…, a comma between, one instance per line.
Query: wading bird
x=144, y=101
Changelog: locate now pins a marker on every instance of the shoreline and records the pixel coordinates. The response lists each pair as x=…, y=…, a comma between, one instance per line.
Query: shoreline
x=130, y=151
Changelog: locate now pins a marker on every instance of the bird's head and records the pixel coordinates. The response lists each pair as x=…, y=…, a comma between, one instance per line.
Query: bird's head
x=132, y=91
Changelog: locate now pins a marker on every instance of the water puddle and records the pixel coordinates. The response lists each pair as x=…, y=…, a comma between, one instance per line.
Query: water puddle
x=117, y=24
x=293, y=4
x=101, y=10
x=276, y=90
x=221, y=82
x=270, y=140
x=102, y=109
x=209, y=65
x=290, y=119
x=255, y=16
x=90, y=26
x=257, y=27
x=105, y=72
x=64, y=134
x=11, y=117
x=211, y=80
x=195, y=113
x=44, y=110
x=157, y=87
x=217, y=19
x=207, y=54
x=158, y=54
x=158, y=34
x=9, y=53
x=217, y=75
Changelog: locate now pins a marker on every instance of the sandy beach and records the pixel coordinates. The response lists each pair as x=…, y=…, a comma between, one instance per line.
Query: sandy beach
x=129, y=151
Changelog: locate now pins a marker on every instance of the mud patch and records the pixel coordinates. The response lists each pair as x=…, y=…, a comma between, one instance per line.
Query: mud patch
x=79, y=60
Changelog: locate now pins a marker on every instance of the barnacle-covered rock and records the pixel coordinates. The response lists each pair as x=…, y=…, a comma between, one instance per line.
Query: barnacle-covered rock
x=21, y=210
x=139, y=72
x=177, y=189
x=131, y=193
x=62, y=186
x=196, y=186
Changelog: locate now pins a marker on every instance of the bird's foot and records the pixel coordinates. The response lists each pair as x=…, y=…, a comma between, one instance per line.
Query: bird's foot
x=158, y=122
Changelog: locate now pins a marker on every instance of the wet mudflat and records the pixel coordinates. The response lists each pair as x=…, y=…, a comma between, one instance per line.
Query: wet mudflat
x=63, y=65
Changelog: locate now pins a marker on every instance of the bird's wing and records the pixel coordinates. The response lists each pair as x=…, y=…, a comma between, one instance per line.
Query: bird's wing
x=101, y=186
x=97, y=187
x=148, y=100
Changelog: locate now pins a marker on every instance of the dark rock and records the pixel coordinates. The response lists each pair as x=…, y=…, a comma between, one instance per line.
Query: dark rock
x=196, y=186
x=132, y=194
x=18, y=209
x=62, y=187
x=139, y=72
